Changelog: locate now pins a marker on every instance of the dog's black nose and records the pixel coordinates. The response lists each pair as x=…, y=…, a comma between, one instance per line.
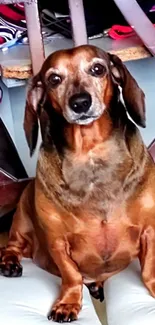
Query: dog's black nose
x=80, y=103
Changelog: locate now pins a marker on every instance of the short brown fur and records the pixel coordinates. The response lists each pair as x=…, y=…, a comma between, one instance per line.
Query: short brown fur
x=91, y=208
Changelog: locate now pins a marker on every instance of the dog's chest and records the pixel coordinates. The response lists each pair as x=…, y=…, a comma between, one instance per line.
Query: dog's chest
x=94, y=175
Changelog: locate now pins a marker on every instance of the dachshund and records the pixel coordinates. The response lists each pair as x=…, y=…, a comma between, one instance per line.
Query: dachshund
x=91, y=208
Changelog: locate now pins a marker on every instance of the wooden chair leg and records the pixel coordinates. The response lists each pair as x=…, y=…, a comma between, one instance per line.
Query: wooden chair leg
x=78, y=22
x=35, y=36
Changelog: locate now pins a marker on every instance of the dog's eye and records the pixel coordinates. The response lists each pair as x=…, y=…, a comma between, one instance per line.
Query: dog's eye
x=54, y=80
x=97, y=70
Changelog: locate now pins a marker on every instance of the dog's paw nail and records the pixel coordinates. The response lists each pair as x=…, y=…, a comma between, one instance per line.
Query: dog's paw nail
x=60, y=318
x=10, y=269
x=51, y=315
x=72, y=317
x=64, y=313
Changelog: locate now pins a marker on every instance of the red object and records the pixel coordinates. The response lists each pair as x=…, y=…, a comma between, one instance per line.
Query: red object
x=13, y=176
x=12, y=20
x=121, y=32
x=9, y=12
x=10, y=191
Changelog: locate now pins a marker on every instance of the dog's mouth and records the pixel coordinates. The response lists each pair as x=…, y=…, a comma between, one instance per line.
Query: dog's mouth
x=86, y=119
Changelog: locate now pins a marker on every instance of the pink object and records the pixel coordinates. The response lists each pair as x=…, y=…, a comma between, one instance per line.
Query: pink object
x=120, y=32
x=78, y=22
x=152, y=9
x=137, y=19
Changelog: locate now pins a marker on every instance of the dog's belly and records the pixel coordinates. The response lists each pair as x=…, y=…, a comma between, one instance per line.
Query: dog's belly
x=104, y=251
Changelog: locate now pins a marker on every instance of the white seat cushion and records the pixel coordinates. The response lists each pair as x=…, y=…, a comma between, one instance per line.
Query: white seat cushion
x=27, y=300
x=128, y=302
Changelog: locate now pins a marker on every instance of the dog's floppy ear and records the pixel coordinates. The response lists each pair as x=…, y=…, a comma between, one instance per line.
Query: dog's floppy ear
x=35, y=96
x=133, y=96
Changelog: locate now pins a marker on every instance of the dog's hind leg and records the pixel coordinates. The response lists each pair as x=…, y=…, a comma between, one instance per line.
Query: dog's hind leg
x=147, y=258
x=96, y=290
x=20, y=239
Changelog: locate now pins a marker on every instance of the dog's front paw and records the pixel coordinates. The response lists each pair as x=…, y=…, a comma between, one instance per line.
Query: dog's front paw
x=10, y=267
x=64, y=312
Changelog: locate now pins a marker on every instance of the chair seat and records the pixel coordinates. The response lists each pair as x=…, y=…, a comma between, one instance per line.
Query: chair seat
x=128, y=302
x=27, y=300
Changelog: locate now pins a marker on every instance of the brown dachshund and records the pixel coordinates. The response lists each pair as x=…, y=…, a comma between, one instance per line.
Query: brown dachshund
x=91, y=208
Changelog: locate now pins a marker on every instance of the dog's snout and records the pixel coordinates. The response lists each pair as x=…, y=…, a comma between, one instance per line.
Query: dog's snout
x=81, y=102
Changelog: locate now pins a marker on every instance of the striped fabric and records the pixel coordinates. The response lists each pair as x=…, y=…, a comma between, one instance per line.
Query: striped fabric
x=12, y=21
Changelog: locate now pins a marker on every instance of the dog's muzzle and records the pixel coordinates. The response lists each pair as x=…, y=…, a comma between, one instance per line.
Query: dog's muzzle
x=80, y=109
x=80, y=103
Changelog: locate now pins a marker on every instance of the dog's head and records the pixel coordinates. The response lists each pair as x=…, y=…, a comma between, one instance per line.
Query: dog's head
x=79, y=84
